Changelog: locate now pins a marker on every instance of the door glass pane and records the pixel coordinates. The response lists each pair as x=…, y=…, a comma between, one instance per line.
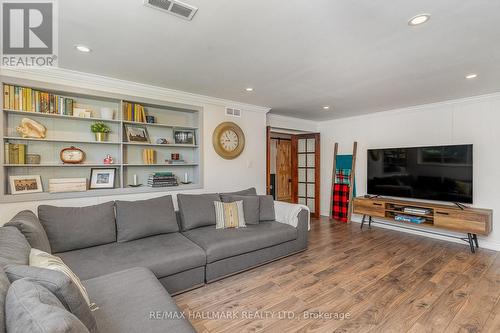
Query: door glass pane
x=301, y=146
x=302, y=190
x=310, y=190
x=310, y=204
x=311, y=145
x=310, y=175
x=302, y=175
x=302, y=160
x=302, y=201
x=310, y=160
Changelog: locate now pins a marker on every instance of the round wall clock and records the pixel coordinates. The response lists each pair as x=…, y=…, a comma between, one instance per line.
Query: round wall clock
x=228, y=140
x=72, y=155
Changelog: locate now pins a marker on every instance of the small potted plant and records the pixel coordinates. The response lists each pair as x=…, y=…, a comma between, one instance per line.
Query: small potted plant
x=101, y=131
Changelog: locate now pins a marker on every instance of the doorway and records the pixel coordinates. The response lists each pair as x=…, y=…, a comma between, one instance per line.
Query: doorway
x=293, y=168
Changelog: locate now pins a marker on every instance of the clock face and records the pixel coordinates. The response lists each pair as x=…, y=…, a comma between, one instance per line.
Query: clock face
x=228, y=140
x=72, y=155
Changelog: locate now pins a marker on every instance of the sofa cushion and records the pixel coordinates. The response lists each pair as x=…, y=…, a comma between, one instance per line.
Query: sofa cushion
x=61, y=286
x=219, y=244
x=72, y=228
x=266, y=207
x=248, y=191
x=30, y=307
x=197, y=210
x=29, y=225
x=134, y=300
x=138, y=219
x=250, y=206
x=163, y=254
x=4, y=286
x=14, y=248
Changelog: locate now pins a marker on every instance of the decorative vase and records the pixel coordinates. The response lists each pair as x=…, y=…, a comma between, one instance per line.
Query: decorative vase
x=100, y=137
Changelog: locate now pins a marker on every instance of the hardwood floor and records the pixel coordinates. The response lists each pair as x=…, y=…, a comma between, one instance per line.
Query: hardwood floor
x=383, y=280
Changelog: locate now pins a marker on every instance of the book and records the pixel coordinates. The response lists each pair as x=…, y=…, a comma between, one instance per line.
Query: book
x=15, y=153
x=6, y=98
x=12, y=97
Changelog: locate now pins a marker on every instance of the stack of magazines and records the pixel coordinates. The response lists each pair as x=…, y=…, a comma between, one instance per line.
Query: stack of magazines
x=162, y=179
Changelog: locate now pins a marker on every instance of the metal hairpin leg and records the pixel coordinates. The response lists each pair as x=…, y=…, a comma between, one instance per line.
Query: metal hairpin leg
x=369, y=222
x=362, y=221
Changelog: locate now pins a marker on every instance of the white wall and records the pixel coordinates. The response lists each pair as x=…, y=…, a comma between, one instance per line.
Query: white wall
x=249, y=169
x=290, y=123
x=473, y=120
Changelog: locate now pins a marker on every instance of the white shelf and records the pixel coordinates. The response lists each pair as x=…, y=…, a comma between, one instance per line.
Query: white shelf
x=159, y=165
x=159, y=125
x=60, y=165
x=160, y=145
x=63, y=140
x=60, y=116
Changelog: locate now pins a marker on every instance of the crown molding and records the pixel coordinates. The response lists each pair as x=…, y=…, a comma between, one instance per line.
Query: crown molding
x=72, y=78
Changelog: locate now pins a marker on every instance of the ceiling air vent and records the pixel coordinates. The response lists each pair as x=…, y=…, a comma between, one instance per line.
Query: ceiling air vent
x=173, y=7
x=233, y=112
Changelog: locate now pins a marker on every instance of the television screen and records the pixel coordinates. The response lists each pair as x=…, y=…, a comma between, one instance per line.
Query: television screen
x=442, y=173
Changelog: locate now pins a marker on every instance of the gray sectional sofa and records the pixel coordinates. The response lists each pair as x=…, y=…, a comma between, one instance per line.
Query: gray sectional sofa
x=131, y=256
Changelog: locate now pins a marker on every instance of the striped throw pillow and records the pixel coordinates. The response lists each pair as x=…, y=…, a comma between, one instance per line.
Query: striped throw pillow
x=229, y=215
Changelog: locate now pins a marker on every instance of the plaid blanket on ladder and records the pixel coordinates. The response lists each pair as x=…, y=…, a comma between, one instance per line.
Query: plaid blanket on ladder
x=340, y=204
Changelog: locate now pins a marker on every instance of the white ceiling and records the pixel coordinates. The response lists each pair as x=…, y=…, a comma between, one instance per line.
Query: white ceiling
x=357, y=56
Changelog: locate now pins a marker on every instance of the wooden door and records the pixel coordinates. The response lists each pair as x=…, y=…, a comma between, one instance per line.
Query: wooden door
x=284, y=170
x=307, y=176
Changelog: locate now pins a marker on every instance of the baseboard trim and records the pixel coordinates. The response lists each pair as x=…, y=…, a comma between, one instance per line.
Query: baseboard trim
x=483, y=243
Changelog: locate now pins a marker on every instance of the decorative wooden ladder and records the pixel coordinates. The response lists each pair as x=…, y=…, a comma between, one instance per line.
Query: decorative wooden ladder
x=351, y=179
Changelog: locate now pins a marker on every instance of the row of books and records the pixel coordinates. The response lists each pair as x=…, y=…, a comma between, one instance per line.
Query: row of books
x=162, y=179
x=15, y=153
x=149, y=156
x=134, y=112
x=31, y=100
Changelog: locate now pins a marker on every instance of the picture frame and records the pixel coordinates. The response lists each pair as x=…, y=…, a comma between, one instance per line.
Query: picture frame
x=25, y=184
x=184, y=137
x=102, y=178
x=136, y=133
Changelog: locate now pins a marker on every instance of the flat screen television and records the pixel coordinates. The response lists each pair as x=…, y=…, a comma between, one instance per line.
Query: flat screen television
x=442, y=173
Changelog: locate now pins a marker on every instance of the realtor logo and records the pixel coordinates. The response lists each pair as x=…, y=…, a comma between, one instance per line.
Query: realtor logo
x=29, y=35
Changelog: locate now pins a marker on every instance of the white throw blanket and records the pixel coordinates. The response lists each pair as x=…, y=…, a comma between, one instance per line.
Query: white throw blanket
x=288, y=213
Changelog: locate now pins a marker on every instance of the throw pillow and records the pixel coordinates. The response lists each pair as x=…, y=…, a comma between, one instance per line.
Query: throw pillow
x=248, y=191
x=267, y=208
x=197, y=210
x=250, y=206
x=4, y=286
x=142, y=218
x=30, y=307
x=73, y=228
x=29, y=225
x=61, y=286
x=14, y=248
x=229, y=215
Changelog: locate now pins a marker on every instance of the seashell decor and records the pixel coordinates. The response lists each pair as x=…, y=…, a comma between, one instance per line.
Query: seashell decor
x=31, y=129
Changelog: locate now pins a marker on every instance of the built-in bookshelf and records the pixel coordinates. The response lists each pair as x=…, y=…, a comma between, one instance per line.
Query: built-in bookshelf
x=65, y=129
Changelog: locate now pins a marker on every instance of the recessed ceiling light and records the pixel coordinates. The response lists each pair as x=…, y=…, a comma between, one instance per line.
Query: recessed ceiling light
x=471, y=76
x=419, y=19
x=326, y=107
x=83, y=48
x=249, y=89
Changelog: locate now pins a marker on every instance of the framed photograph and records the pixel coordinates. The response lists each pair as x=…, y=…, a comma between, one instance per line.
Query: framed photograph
x=25, y=184
x=184, y=137
x=136, y=133
x=102, y=178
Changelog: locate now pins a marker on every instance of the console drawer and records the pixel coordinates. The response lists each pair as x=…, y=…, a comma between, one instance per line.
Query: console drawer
x=369, y=207
x=462, y=220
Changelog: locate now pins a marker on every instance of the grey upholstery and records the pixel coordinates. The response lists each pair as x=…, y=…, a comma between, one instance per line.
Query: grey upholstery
x=223, y=243
x=61, y=286
x=232, y=265
x=4, y=286
x=32, y=308
x=250, y=206
x=196, y=210
x=163, y=254
x=248, y=191
x=266, y=206
x=72, y=228
x=142, y=218
x=130, y=300
x=183, y=281
x=14, y=248
x=29, y=225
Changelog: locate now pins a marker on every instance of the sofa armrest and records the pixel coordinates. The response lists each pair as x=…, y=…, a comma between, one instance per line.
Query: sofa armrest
x=303, y=228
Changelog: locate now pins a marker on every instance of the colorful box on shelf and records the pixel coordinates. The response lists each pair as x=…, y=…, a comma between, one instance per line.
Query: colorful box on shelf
x=410, y=219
